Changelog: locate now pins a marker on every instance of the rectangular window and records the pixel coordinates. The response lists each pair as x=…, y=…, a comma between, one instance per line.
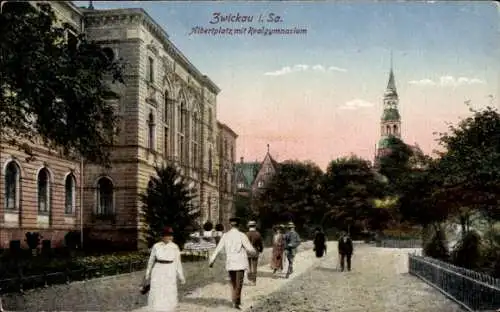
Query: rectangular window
x=150, y=73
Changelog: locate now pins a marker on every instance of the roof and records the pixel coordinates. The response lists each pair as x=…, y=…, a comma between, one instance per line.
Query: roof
x=391, y=114
x=391, y=84
x=249, y=171
x=226, y=127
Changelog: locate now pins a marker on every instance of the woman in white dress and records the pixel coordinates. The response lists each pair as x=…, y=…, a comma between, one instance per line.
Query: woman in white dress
x=164, y=268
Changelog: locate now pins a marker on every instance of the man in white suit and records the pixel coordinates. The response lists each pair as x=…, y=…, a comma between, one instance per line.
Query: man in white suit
x=237, y=246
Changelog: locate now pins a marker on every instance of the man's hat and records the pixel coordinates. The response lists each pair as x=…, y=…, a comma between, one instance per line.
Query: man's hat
x=234, y=221
x=291, y=225
x=252, y=223
x=168, y=231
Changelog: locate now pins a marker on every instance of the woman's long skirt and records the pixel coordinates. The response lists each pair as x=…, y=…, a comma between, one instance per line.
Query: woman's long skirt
x=277, y=259
x=163, y=293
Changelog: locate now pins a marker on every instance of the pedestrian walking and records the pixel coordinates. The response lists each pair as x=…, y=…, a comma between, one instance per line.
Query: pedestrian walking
x=319, y=242
x=292, y=241
x=345, y=251
x=163, y=270
x=237, y=246
x=253, y=258
x=278, y=249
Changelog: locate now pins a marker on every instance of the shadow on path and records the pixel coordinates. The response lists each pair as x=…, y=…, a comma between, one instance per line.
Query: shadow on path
x=208, y=302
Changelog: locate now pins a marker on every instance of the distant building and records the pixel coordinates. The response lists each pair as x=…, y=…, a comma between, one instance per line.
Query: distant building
x=252, y=177
x=226, y=141
x=390, y=122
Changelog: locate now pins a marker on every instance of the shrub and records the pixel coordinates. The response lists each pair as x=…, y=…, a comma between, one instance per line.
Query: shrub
x=467, y=252
x=437, y=246
x=208, y=226
x=72, y=240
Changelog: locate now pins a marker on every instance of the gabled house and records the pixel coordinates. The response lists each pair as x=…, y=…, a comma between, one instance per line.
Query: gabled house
x=251, y=177
x=267, y=169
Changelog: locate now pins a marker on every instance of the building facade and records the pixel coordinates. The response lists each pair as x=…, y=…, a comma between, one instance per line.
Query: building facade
x=226, y=140
x=167, y=111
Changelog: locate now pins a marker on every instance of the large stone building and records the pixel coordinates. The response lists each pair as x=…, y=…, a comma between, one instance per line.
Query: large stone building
x=226, y=141
x=167, y=111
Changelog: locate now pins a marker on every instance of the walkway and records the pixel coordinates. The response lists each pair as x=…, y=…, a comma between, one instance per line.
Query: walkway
x=379, y=282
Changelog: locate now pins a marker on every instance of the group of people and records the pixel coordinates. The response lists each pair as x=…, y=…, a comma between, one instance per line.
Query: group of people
x=345, y=247
x=242, y=251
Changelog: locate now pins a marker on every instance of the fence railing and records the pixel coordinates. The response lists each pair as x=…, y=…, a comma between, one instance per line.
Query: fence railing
x=472, y=290
x=21, y=283
x=399, y=243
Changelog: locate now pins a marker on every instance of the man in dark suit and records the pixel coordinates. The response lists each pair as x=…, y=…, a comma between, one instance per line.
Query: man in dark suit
x=345, y=251
x=256, y=240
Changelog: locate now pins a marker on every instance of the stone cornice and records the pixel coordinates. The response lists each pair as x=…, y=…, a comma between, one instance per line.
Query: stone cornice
x=140, y=15
x=223, y=126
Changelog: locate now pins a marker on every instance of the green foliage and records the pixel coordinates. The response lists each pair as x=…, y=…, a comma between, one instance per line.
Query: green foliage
x=350, y=188
x=293, y=194
x=437, y=247
x=395, y=164
x=54, y=89
x=467, y=252
x=168, y=202
x=33, y=239
x=243, y=208
x=471, y=164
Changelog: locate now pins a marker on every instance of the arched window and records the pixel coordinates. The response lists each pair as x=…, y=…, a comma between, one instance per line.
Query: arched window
x=104, y=196
x=181, y=132
x=70, y=194
x=12, y=186
x=167, y=119
x=395, y=130
x=195, y=140
x=151, y=131
x=43, y=190
x=388, y=130
x=210, y=118
x=210, y=162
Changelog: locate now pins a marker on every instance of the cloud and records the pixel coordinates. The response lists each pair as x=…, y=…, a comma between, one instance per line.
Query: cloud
x=355, y=104
x=447, y=81
x=302, y=68
x=335, y=68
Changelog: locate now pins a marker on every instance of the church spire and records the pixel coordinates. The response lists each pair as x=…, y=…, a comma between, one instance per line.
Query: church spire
x=391, y=85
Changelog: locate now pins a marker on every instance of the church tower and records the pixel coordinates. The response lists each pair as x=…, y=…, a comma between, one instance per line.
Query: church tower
x=390, y=123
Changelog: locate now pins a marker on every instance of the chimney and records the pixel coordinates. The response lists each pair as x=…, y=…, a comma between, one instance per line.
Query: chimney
x=241, y=160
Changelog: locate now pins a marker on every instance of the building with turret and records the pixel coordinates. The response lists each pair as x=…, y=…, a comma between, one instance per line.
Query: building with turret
x=390, y=122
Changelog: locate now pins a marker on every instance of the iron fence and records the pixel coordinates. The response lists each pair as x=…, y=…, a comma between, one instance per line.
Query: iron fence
x=399, y=243
x=21, y=282
x=472, y=290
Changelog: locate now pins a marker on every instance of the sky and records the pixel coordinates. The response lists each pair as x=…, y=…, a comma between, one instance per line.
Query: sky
x=318, y=95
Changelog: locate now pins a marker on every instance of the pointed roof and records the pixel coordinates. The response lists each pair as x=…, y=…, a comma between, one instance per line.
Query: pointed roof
x=391, y=85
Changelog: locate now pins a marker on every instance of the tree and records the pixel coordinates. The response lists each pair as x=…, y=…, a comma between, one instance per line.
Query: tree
x=396, y=163
x=168, y=201
x=471, y=166
x=52, y=88
x=350, y=187
x=292, y=194
x=243, y=208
